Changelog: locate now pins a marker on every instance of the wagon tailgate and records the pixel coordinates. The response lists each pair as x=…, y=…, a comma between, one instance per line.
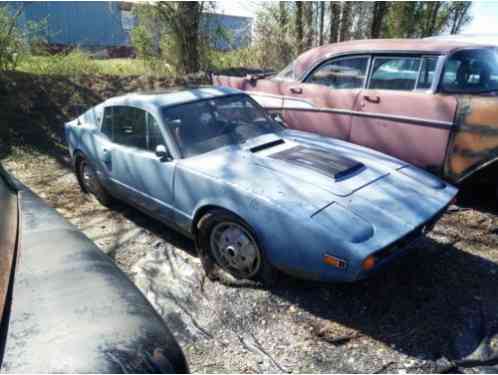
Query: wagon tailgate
x=475, y=140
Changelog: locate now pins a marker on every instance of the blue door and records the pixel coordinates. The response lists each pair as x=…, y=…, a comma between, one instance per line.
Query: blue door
x=145, y=179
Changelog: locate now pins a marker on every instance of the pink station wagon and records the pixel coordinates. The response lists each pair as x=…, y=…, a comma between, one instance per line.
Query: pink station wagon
x=432, y=103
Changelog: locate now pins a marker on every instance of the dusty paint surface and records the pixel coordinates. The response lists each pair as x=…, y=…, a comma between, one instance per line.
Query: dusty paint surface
x=8, y=238
x=474, y=143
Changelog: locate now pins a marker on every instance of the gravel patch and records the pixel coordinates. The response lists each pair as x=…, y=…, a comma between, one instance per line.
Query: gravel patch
x=434, y=307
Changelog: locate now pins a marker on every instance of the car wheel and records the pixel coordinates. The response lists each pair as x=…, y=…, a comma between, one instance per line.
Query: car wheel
x=231, y=244
x=90, y=183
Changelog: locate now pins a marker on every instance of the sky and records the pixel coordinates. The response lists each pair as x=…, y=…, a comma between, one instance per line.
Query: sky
x=484, y=21
x=485, y=18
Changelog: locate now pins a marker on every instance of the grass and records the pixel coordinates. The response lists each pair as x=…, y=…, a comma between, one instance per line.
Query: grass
x=77, y=63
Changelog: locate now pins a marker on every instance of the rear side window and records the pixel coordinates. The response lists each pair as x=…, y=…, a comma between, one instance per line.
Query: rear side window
x=395, y=73
x=129, y=127
x=107, y=123
x=427, y=73
x=471, y=72
x=344, y=73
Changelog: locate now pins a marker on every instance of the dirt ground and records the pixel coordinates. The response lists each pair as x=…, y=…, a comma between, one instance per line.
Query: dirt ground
x=439, y=304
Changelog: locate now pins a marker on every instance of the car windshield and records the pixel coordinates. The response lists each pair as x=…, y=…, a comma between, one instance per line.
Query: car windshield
x=206, y=125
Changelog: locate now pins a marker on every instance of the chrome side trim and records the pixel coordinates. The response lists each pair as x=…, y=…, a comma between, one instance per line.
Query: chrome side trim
x=305, y=105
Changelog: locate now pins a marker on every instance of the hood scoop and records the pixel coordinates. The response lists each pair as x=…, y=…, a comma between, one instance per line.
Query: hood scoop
x=324, y=162
x=266, y=145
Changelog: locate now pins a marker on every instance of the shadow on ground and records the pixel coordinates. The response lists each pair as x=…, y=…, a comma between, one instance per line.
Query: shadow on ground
x=439, y=301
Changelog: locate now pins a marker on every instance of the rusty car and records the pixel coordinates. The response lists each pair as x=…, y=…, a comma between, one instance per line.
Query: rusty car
x=65, y=307
x=256, y=197
x=432, y=103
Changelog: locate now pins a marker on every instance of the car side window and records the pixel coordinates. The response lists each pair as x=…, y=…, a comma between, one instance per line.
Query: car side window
x=107, y=123
x=129, y=127
x=394, y=73
x=154, y=136
x=342, y=73
x=427, y=72
x=471, y=71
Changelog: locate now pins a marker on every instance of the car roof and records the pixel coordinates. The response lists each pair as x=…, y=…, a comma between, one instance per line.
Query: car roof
x=418, y=46
x=169, y=97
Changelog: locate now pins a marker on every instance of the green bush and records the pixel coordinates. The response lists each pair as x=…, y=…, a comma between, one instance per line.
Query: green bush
x=13, y=46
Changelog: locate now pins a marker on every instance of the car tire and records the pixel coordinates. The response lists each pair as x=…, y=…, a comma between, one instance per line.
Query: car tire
x=208, y=228
x=89, y=182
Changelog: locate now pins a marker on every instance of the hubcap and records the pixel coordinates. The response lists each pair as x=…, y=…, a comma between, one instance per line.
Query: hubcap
x=235, y=249
x=88, y=177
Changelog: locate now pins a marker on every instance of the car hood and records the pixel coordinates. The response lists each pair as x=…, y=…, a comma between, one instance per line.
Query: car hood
x=295, y=170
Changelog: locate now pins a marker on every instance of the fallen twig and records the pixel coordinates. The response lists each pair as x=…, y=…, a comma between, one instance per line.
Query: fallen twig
x=256, y=347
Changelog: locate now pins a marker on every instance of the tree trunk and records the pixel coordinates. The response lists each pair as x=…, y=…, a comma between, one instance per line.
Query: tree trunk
x=432, y=16
x=322, y=19
x=460, y=16
x=188, y=19
x=335, y=13
x=308, y=21
x=380, y=9
x=345, y=21
x=283, y=21
x=299, y=26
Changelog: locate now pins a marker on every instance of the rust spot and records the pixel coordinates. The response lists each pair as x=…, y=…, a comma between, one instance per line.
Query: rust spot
x=8, y=238
x=474, y=144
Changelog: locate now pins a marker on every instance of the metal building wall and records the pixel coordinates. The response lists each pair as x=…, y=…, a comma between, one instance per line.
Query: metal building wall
x=93, y=23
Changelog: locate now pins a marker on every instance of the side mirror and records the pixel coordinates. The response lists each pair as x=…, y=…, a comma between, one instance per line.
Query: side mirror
x=162, y=153
x=276, y=116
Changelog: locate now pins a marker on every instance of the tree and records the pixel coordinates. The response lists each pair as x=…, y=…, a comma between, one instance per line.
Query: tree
x=345, y=30
x=334, y=22
x=308, y=24
x=433, y=18
x=299, y=26
x=380, y=9
x=12, y=41
x=321, y=24
x=183, y=18
x=459, y=15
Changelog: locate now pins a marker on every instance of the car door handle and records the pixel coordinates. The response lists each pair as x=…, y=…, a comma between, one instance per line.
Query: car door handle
x=372, y=99
x=107, y=155
x=296, y=90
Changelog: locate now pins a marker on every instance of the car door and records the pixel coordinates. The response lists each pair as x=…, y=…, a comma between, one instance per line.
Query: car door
x=323, y=102
x=145, y=178
x=399, y=114
x=101, y=146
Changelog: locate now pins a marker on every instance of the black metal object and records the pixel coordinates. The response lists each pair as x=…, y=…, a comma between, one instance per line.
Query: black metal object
x=330, y=164
x=72, y=309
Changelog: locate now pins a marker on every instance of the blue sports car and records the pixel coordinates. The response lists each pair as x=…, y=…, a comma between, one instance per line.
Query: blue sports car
x=254, y=195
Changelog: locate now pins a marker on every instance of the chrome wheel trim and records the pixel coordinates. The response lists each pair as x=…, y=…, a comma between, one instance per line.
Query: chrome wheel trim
x=88, y=177
x=235, y=249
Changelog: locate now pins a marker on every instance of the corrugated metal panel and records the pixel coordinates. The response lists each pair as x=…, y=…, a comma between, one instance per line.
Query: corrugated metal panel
x=93, y=23
x=99, y=23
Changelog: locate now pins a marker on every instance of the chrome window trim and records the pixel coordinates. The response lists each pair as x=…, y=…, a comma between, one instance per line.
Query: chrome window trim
x=331, y=56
